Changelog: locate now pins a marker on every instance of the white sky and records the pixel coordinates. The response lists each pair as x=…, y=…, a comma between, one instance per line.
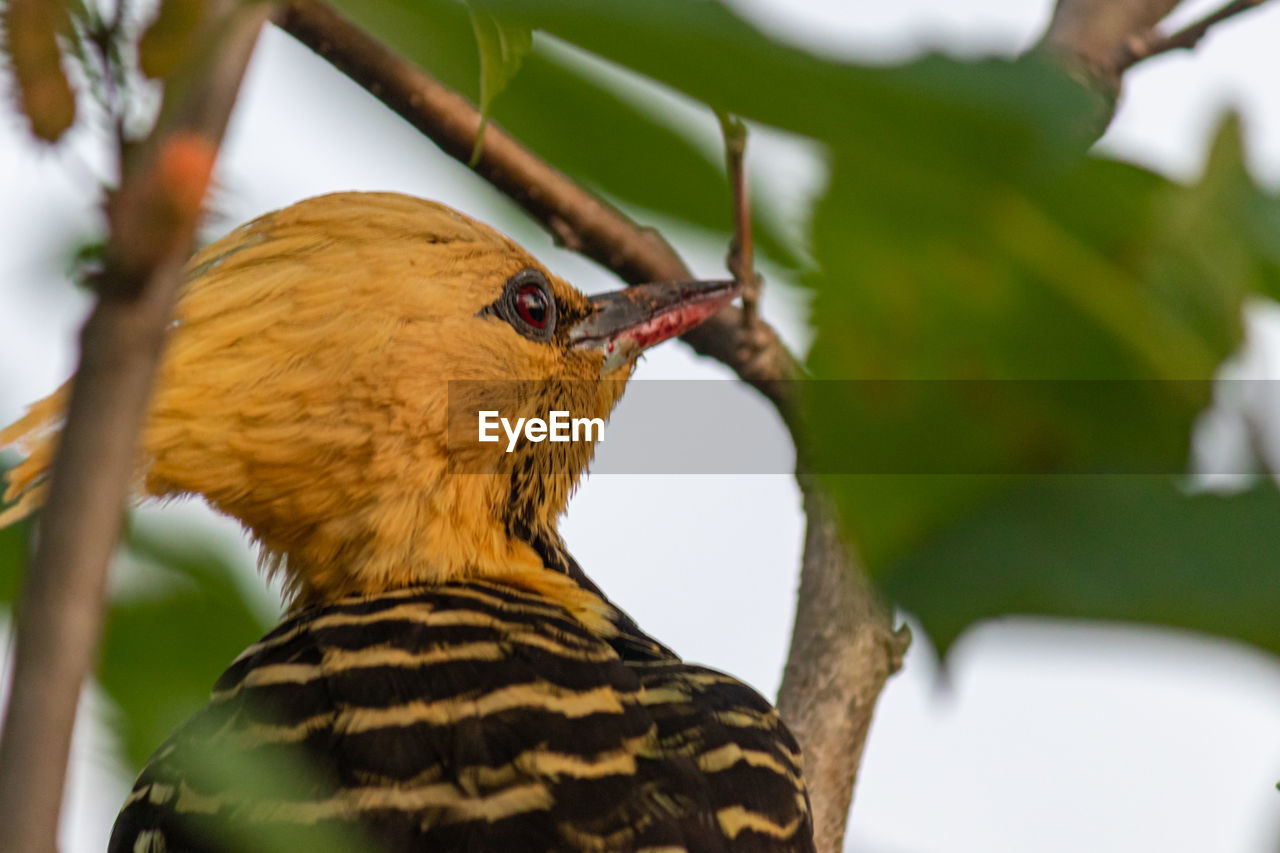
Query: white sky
x=1043, y=738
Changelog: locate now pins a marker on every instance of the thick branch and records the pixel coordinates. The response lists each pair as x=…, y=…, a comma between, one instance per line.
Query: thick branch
x=1105, y=38
x=843, y=649
x=1089, y=34
x=152, y=224
x=819, y=669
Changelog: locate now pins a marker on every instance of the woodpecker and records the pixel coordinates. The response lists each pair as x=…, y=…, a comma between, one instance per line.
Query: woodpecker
x=446, y=676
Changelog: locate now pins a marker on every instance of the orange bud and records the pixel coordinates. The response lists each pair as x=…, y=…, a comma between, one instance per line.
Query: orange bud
x=185, y=165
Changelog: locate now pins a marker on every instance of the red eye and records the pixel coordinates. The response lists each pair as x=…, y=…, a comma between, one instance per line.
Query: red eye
x=531, y=305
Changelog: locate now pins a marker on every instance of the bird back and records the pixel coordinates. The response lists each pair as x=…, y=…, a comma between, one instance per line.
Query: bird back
x=470, y=716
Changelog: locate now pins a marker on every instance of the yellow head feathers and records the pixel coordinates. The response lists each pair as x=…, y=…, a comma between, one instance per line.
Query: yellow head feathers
x=305, y=391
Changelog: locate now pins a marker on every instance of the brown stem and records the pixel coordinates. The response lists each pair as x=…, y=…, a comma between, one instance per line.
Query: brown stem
x=1088, y=34
x=1151, y=43
x=1104, y=38
x=580, y=221
x=60, y=610
x=741, y=259
x=843, y=649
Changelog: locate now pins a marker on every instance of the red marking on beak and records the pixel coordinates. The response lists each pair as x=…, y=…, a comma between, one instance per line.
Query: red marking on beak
x=627, y=322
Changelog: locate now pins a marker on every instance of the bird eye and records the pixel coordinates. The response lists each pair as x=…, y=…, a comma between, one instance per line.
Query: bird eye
x=527, y=304
x=531, y=305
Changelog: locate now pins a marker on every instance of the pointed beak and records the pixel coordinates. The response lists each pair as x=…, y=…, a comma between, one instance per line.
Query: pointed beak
x=627, y=322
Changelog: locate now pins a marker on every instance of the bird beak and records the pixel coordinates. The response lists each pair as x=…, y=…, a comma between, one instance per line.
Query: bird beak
x=627, y=322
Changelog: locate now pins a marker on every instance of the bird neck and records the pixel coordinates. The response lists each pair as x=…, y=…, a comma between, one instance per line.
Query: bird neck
x=463, y=528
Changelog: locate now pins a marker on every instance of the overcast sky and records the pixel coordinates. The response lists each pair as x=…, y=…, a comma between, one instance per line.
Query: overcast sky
x=1043, y=738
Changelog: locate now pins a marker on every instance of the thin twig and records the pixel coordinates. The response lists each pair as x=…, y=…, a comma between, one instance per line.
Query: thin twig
x=1152, y=43
x=741, y=259
x=60, y=611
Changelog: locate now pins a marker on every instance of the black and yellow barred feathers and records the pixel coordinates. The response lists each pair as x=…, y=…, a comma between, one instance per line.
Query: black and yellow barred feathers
x=474, y=716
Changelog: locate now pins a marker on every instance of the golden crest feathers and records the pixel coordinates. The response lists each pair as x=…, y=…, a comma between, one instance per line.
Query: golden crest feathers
x=304, y=386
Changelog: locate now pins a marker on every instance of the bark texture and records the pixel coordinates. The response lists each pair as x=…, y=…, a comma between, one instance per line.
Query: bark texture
x=843, y=650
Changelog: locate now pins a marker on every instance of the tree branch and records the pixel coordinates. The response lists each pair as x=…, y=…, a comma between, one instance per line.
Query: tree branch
x=840, y=660
x=152, y=220
x=1152, y=43
x=1102, y=39
x=1087, y=35
x=843, y=649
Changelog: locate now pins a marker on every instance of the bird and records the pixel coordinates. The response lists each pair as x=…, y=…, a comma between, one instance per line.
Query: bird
x=446, y=676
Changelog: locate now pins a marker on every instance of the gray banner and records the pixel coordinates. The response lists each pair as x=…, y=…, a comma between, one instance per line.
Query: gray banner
x=860, y=427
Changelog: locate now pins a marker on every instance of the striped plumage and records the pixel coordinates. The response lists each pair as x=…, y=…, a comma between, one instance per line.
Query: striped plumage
x=473, y=716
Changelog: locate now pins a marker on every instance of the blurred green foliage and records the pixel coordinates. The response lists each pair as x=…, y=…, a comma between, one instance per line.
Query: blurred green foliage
x=1130, y=548
x=162, y=649
x=165, y=643
x=967, y=235
x=171, y=37
x=603, y=133
x=246, y=780
x=13, y=552
x=1099, y=272
x=502, y=48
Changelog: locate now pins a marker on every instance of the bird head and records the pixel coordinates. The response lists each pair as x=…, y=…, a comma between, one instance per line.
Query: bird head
x=322, y=371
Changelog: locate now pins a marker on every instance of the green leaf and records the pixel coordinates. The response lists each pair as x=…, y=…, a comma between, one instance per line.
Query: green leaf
x=594, y=131
x=13, y=556
x=708, y=52
x=246, y=777
x=992, y=114
x=170, y=39
x=1099, y=273
x=1128, y=548
x=503, y=47
x=162, y=651
x=1227, y=219
x=996, y=278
